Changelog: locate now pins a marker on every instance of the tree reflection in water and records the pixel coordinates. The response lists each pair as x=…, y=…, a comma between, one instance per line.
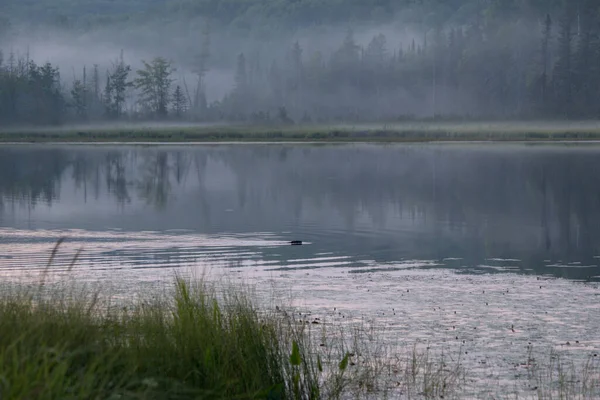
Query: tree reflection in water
x=532, y=203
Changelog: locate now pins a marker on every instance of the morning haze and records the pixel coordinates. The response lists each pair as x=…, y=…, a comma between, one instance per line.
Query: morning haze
x=304, y=62
x=267, y=199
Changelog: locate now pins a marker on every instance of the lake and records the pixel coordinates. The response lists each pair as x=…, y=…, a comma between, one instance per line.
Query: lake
x=448, y=244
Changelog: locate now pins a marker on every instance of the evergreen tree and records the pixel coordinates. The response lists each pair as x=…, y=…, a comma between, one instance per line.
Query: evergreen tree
x=563, y=72
x=275, y=79
x=547, y=35
x=93, y=96
x=202, y=68
x=349, y=53
x=96, y=82
x=478, y=67
x=297, y=67
x=585, y=67
x=179, y=102
x=315, y=71
x=78, y=98
x=107, y=98
x=154, y=83
x=46, y=101
x=241, y=75
x=119, y=84
x=375, y=61
x=241, y=91
x=376, y=52
x=296, y=80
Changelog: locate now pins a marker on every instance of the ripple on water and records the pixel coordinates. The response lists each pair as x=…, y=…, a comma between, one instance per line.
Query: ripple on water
x=490, y=319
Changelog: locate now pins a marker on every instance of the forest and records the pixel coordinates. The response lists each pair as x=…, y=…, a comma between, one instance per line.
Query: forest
x=460, y=59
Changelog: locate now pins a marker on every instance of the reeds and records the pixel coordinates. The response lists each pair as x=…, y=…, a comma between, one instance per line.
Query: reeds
x=207, y=340
x=186, y=346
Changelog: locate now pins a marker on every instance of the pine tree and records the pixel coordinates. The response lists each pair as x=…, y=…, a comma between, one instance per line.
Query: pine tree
x=78, y=97
x=119, y=84
x=349, y=53
x=563, y=72
x=376, y=53
x=547, y=34
x=94, y=97
x=346, y=62
x=315, y=71
x=241, y=75
x=296, y=64
x=296, y=82
x=179, y=102
x=275, y=83
x=107, y=97
x=437, y=65
x=374, y=61
x=154, y=82
x=585, y=71
x=202, y=68
x=49, y=102
x=240, y=95
x=96, y=82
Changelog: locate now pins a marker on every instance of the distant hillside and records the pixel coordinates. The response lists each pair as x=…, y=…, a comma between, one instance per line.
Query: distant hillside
x=291, y=13
x=307, y=61
x=75, y=12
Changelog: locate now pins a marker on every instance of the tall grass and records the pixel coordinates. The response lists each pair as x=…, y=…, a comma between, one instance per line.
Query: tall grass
x=186, y=346
x=557, y=377
x=194, y=341
x=407, y=131
x=59, y=340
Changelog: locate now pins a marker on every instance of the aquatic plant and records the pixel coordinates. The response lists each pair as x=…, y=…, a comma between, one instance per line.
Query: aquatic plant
x=62, y=339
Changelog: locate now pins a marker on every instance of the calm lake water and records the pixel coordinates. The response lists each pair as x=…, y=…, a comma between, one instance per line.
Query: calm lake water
x=436, y=241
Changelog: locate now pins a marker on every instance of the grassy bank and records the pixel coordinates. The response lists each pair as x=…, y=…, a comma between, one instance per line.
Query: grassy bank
x=188, y=347
x=193, y=343
x=197, y=340
x=397, y=132
x=199, y=343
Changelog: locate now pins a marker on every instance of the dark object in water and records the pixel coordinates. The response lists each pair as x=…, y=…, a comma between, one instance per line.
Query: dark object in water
x=296, y=242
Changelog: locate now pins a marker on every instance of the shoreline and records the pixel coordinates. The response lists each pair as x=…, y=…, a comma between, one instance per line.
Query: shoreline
x=421, y=132
x=306, y=143
x=397, y=369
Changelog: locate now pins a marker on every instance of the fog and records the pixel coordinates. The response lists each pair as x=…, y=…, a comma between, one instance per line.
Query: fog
x=430, y=61
x=180, y=44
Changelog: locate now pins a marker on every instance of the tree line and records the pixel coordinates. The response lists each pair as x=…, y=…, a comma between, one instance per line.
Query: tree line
x=35, y=94
x=499, y=66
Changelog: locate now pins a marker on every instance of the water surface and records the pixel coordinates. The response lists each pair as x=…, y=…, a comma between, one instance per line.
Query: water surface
x=527, y=209
x=448, y=244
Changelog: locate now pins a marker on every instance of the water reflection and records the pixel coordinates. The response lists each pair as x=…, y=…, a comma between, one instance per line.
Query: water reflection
x=532, y=209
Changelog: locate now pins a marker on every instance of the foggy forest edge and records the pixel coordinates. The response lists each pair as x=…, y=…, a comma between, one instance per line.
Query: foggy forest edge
x=496, y=65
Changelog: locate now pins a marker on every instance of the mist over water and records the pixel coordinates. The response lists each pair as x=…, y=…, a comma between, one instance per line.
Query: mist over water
x=270, y=62
x=487, y=253
x=456, y=248
x=467, y=207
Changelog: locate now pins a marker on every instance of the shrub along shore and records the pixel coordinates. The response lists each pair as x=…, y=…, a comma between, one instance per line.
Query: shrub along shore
x=399, y=132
